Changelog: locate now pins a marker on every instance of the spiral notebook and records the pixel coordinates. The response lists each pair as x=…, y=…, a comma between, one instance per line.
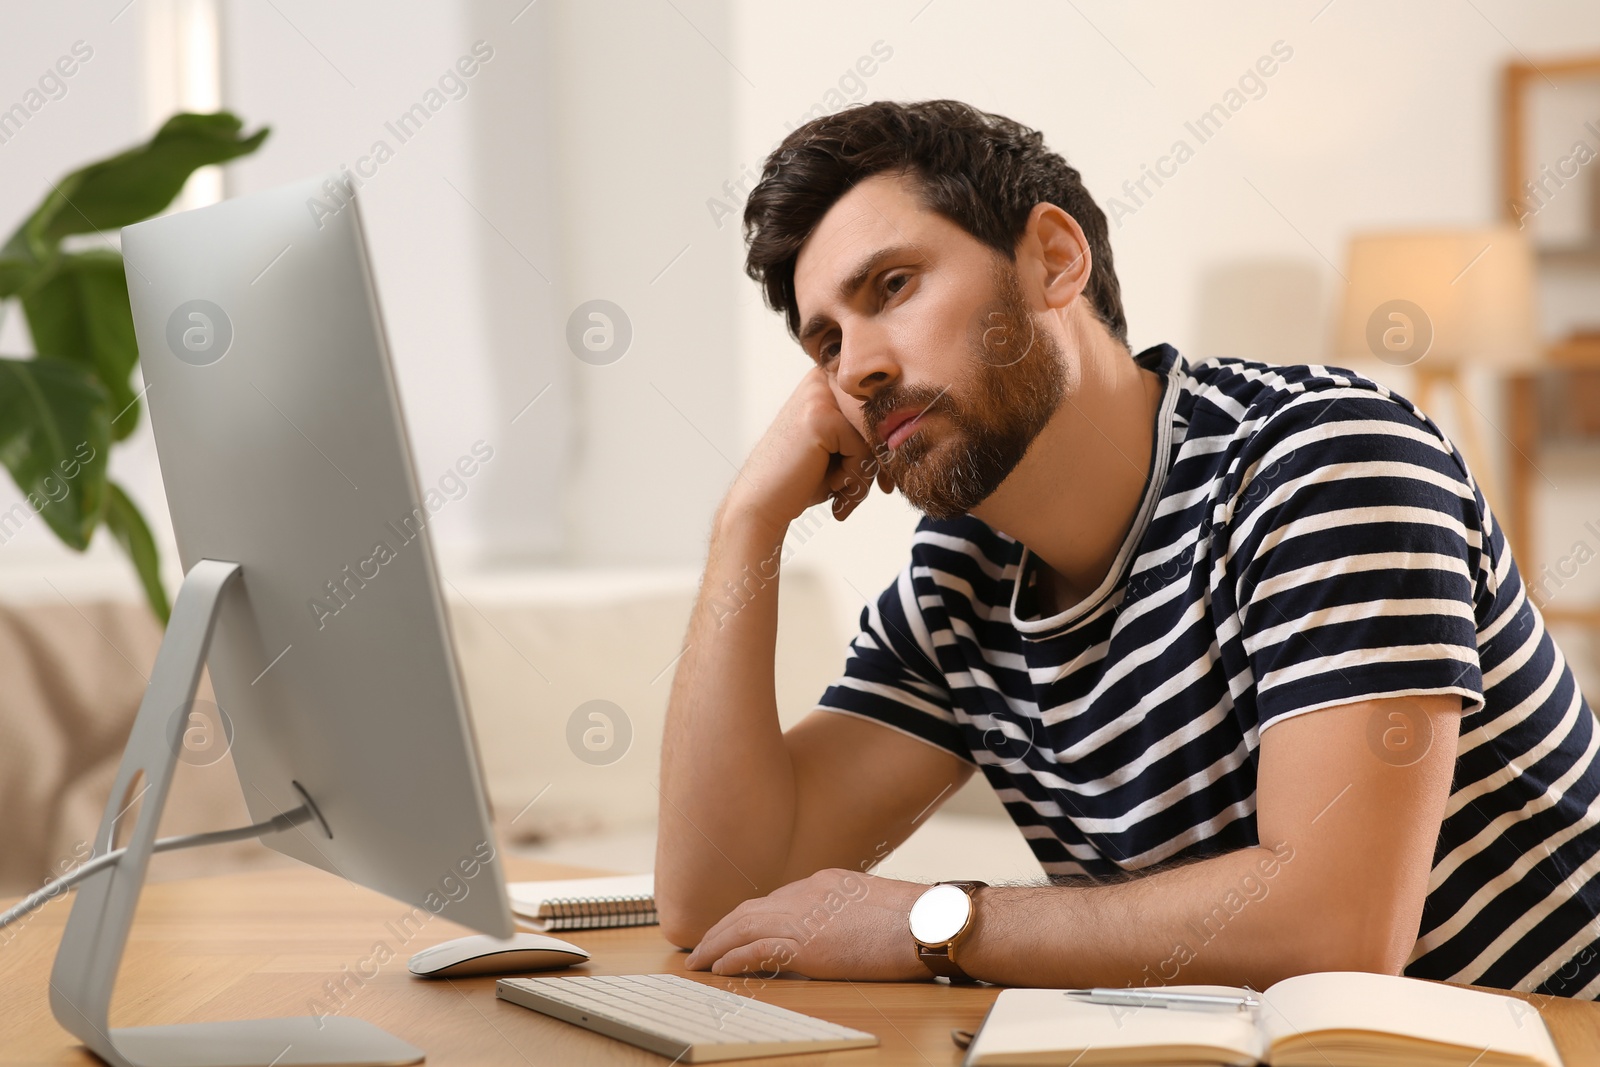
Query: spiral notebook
x=585, y=903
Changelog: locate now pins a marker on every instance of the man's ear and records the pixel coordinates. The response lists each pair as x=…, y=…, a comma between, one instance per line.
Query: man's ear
x=1054, y=255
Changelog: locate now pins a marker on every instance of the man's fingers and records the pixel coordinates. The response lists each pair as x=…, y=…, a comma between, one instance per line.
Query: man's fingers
x=838, y=480
x=851, y=480
x=849, y=497
x=764, y=958
x=851, y=452
x=741, y=926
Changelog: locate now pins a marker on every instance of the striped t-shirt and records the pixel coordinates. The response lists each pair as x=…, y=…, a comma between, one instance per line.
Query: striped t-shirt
x=1307, y=538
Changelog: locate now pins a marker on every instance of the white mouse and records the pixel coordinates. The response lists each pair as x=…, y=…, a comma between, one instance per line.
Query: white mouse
x=481, y=954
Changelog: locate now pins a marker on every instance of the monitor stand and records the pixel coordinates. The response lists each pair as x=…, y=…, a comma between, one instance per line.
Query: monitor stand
x=97, y=930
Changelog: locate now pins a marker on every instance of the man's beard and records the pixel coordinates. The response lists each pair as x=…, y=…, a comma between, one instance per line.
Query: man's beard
x=1016, y=383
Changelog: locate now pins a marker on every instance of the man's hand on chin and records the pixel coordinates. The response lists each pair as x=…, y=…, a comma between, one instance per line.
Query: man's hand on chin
x=835, y=924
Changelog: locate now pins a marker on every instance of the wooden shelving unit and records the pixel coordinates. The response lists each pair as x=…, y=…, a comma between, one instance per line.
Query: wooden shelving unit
x=1559, y=401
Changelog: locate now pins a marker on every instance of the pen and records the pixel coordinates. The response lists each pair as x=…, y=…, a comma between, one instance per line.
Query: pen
x=1138, y=998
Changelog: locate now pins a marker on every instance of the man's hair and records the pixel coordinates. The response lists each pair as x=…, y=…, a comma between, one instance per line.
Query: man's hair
x=983, y=172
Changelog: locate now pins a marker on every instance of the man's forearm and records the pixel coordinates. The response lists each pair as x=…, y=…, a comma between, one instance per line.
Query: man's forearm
x=1248, y=916
x=727, y=781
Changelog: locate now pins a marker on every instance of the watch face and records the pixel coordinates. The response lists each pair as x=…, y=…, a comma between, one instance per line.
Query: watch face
x=939, y=914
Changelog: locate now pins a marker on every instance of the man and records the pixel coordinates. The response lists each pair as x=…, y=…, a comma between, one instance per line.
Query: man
x=1240, y=647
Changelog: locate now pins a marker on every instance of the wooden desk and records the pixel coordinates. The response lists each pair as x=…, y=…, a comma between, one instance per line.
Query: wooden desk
x=264, y=944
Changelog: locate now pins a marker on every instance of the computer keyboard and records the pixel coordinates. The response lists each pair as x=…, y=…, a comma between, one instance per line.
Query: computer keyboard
x=679, y=1018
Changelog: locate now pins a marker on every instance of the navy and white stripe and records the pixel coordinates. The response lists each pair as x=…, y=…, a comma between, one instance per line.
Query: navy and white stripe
x=1307, y=539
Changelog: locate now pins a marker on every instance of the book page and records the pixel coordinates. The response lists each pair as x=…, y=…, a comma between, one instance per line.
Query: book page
x=527, y=896
x=1025, y=1025
x=1428, y=1011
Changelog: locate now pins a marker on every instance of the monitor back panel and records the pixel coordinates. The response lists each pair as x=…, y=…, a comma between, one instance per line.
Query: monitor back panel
x=282, y=446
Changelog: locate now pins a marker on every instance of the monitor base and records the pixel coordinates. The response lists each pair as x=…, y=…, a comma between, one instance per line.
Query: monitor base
x=299, y=1042
x=96, y=934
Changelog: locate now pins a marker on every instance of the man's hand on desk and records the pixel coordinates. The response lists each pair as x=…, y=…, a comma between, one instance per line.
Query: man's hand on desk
x=835, y=924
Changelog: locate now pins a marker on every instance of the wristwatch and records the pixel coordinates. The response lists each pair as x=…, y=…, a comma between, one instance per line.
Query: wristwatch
x=940, y=917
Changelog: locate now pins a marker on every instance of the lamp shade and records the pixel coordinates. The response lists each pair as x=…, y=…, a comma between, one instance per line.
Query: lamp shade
x=1453, y=297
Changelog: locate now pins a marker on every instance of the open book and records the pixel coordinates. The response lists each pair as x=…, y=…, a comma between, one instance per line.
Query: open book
x=585, y=903
x=1348, y=1018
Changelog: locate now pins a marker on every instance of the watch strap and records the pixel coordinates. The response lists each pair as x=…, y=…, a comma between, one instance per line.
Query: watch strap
x=939, y=962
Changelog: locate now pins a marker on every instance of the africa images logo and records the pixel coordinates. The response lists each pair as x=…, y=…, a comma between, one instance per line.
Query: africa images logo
x=199, y=332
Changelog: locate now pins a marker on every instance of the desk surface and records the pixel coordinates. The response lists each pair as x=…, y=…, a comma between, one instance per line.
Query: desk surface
x=264, y=944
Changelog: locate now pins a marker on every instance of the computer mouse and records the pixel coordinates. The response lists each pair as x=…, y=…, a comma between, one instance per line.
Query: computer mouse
x=481, y=954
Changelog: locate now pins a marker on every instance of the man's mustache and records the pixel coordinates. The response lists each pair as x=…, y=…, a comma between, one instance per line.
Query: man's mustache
x=924, y=398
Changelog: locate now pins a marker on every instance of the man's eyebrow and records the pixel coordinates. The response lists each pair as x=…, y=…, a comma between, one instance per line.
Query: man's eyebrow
x=853, y=283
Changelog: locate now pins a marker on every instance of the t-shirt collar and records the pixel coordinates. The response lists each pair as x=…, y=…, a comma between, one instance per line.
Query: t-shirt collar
x=1166, y=361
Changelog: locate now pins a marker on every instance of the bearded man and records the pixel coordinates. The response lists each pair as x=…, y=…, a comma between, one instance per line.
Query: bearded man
x=1240, y=646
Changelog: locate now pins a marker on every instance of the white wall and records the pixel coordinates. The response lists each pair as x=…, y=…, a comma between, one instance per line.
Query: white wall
x=645, y=123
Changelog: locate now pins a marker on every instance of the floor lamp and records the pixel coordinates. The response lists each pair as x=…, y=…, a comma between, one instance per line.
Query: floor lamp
x=1440, y=302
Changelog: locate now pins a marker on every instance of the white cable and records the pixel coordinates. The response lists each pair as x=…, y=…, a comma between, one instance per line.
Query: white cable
x=50, y=890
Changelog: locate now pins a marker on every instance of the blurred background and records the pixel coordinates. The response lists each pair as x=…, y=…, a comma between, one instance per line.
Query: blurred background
x=602, y=151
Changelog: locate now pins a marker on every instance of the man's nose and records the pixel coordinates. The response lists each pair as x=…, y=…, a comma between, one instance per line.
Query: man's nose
x=866, y=362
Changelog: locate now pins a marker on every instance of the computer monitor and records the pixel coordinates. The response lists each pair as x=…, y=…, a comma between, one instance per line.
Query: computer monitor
x=300, y=525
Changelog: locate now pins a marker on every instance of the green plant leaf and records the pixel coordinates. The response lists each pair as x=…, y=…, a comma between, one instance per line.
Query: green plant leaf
x=16, y=268
x=132, y=185
x=57, y=410
x=55, y=438
x=81, y=314
x=128, y=527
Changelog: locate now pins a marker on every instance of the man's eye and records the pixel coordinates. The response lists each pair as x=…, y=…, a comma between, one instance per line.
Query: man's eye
x=827, y=352
x=890, y=285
